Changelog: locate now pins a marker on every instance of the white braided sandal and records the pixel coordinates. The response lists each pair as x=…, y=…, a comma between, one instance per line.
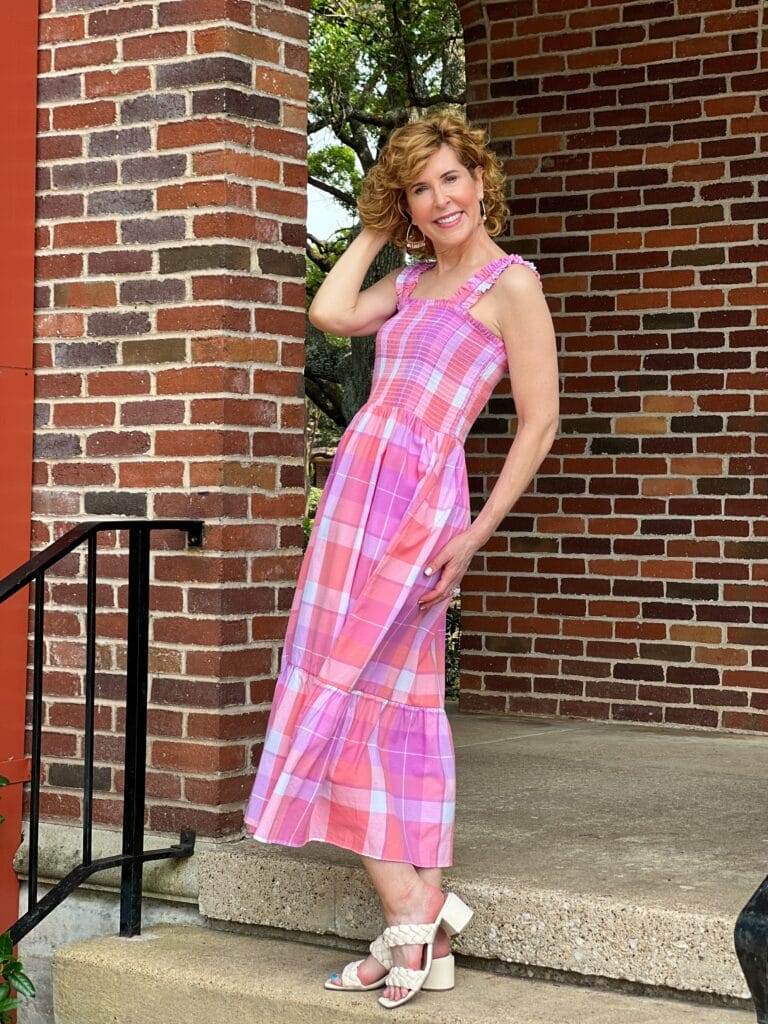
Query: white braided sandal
x=440, y=977
x=454, y=915
x=350, y=980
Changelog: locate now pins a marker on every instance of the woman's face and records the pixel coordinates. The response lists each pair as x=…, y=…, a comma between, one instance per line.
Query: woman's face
x=444, y=201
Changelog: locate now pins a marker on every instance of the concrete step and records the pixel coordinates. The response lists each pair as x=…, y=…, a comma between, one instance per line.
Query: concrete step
x=174, y=974
x=588, y=847
x=323, y=890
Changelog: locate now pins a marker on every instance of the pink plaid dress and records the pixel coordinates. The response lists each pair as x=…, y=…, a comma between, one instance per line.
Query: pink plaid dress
x=358, y=750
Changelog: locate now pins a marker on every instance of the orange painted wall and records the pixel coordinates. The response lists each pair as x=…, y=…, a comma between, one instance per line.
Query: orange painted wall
x=18, y=118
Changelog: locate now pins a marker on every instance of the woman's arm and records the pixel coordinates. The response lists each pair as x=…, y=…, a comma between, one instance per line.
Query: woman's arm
x=339, y=307
x=529, y=337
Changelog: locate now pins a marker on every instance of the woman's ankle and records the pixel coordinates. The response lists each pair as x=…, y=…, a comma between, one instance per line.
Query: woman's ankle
x=405, y=903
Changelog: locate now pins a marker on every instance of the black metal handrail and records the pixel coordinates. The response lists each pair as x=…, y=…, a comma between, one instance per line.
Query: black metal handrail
x=133, y=856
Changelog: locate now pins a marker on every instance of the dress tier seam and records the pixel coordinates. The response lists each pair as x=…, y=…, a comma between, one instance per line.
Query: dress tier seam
x=373, y=404
x=316, y=681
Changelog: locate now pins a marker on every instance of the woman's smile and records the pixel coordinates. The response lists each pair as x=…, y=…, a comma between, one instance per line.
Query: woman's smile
x=451, y=219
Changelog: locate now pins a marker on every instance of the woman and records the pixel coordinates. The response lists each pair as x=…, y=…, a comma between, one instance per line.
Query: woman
x=358, y=750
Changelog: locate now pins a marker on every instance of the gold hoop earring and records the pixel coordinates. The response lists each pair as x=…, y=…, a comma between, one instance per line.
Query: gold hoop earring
x=413, y=245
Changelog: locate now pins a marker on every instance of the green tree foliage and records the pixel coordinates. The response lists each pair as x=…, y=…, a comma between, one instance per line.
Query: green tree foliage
x=373, y=66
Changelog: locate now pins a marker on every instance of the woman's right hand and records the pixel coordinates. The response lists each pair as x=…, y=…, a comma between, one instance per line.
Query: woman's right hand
x=380, y=238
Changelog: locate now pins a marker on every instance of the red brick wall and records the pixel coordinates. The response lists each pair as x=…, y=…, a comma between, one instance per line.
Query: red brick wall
x=627, y=583
x=169, y=351
x=630, y=581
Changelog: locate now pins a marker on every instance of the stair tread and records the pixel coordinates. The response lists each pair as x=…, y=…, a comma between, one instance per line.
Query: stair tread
x=177, y=973
x=581, y=932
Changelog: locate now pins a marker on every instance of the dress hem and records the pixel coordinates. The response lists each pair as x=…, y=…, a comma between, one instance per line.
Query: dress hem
x=353, y=848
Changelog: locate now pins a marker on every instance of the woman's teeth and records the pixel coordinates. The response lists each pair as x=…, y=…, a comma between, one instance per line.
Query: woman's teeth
x=449, y=221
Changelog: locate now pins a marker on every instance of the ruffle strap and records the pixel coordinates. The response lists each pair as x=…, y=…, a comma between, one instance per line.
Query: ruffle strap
x=486, y=277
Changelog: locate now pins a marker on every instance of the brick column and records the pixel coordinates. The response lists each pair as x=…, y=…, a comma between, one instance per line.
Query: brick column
x=169, y=356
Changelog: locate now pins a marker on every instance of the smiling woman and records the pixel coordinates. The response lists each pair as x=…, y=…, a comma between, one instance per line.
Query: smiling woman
x=358, y=750
x=437, y=167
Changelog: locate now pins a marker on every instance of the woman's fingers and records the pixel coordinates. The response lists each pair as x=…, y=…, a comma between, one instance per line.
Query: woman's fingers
x=442, y=590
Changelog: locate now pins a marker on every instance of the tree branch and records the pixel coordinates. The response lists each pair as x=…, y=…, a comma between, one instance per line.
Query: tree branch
x=325, y=186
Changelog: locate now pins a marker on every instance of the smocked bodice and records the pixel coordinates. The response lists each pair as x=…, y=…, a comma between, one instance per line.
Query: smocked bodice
x=434, y=358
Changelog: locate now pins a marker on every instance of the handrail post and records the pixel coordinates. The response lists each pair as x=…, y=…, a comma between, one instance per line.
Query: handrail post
x=135, y=730
x=37, y=739
x=89, y=686
x=133, y=856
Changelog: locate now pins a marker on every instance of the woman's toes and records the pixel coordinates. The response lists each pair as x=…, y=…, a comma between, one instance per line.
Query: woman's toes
x=368, y=971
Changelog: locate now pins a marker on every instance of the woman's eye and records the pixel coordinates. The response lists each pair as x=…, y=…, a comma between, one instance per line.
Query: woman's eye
x=419, y=188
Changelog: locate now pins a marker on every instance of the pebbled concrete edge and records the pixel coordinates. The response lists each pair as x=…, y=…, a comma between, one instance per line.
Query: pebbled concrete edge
x=581, y=933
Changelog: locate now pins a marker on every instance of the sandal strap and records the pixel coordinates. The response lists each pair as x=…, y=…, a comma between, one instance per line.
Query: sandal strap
x=409, y=934
x=380, y=950
x=349, y=975
x=405, y=977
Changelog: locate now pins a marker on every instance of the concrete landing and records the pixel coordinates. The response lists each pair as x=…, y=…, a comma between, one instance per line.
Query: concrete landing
x=613, y=850
x=631, y=812
x=176, y=974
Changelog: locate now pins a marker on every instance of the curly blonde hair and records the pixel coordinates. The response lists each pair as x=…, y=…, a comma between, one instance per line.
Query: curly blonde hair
x=381, y=203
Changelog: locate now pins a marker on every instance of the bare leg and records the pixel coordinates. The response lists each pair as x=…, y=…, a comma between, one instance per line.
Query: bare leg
x=405, y=897
x=399, y=881
x=433, y=876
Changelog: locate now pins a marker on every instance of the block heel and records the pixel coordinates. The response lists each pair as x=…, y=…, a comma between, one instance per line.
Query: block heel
x=441, y=975
x=455, y=915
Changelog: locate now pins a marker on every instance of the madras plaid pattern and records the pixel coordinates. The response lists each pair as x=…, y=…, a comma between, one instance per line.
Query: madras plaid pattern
x=358, y=750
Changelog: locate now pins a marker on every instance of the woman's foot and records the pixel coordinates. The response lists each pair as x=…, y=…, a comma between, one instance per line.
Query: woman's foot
x=420, y=907
x=371, y=970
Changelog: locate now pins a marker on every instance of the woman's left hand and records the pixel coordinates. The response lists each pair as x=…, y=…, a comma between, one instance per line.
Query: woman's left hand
x=454, y=558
